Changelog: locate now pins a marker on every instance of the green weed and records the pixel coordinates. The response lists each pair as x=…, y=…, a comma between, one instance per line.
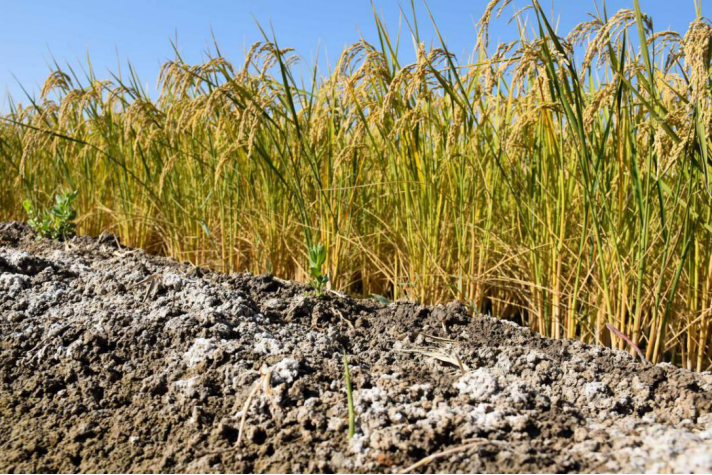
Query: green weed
x=55, y=222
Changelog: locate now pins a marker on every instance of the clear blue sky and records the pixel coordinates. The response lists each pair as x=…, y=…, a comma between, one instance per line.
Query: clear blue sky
x=34, y=31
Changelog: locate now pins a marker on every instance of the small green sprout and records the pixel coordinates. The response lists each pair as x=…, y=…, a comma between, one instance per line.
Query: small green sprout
x=56, y=222
x=317, y=258
x=349, y=397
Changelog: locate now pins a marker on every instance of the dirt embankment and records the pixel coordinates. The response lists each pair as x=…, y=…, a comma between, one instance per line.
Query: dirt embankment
x=113, y=360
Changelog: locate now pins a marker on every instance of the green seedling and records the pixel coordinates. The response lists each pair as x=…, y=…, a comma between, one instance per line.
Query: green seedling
x=349, y=397
x=317, y=258
x=56, y=222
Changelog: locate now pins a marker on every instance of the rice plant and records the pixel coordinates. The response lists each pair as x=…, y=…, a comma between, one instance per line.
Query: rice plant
x=566, y=193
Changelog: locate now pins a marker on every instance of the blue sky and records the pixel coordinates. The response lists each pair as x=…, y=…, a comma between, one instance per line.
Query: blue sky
x=33, y=32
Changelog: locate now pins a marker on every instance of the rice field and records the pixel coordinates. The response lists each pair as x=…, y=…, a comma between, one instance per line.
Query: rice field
x=561, y=180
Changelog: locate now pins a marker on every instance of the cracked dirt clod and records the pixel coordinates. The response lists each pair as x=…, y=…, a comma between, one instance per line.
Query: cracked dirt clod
x=96, y=377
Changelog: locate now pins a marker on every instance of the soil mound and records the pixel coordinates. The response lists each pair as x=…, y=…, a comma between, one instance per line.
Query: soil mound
x=112, y=360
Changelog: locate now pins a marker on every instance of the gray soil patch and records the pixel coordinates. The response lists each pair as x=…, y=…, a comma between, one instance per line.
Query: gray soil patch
x=112, y=360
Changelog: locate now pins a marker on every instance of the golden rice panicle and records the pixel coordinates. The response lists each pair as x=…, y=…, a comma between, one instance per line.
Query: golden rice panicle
x=696, y=48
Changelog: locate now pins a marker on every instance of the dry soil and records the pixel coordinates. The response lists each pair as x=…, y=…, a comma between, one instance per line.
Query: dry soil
x=112, y=360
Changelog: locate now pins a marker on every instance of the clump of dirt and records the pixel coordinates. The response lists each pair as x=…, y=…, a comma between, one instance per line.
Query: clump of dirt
x=114, y=360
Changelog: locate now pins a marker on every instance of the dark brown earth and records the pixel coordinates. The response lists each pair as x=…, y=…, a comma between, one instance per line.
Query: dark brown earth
x=103, y=371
